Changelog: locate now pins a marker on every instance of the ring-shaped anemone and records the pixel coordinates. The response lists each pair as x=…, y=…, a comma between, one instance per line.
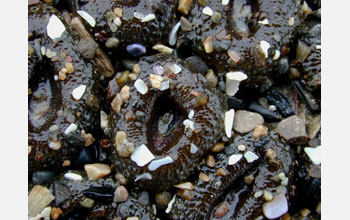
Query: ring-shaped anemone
x=171, y=128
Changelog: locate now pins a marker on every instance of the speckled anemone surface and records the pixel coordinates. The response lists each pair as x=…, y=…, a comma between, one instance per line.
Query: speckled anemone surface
x=240, y=31
x=132, y=29
x=51, y=102
x=207, y=118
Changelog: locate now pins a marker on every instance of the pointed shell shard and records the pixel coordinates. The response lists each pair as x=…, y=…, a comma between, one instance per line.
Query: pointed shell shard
x=155, y=164
x=173, y=34
x=142, y=155
x=229, y=118
x=250, y=156
x=314, y=154
x=234, y=158
x=88, y=18
x=55, y=27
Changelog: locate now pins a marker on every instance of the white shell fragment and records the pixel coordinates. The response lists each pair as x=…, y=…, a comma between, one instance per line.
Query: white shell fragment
x=141, y=86
x=188, y=124
x=318, y=47
x=232, y=82
x=229, y=118
x=177, y=68
x=185, y=185
x=79, y=92
x=160, y=162
x=88, y=18
x=55, y=77
x=225, y=2
x=173, y=34
x=44, y=214
x=139, y=15
x=162, y=49
x=148, y=17
x=264, y=22
x=276, y=55
x=73, y=176
x=207, y=11
x=55, y=27
x=314, y=154
x=50, y=53
x=276, y=208
x=250, y=156
x=164, y=86
x=142, y=156
x=55, y=145
x=264, y=45
x=190, y=114
x=144, y=176
x=103, y=119
x=43, y=50
x=170, y=204
x=193, y=149
x=39, y=197
x=72, y=127
x=234, y=158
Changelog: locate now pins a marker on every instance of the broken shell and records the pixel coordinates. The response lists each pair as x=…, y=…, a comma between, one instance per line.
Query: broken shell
x=232, y=82
x=162, y=49
x=185, y=185
x=39, y=198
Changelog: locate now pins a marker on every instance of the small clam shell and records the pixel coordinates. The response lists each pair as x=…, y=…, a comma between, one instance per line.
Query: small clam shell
x=39, y=198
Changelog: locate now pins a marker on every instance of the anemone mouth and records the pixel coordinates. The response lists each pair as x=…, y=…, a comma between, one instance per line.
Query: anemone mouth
x=43, y=102
x=164, y=128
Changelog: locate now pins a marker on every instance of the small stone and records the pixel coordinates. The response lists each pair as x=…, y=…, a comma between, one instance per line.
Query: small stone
x=258, y=194
x=156, y=81
x=66, y=163
x=88, y=138
x=304, y=212
x=208, y=44
x=210, y=161
x=143, y=198
x=55, y=213
x=185, y=185
x=184, y=6
x=136, y=49
x=221, y=209
x=118, y=12
x=132, y=218
x=78, y=92
x=73, y=176
x=125, y=94
x=318, y=208
x=33, y=2
x=314, y=171
x=233, y=159
x=314, y=154
x=97, y=170
x=216, y=17
x=291, y=21
x=225, y=2
x=276, y=208
x=69, y=67
x=55, y=145
x=141, y=86
x=241, y=147
x=246, y=121
x=204, y=177
x=271, y=154
x=221, y=35
x=314, y=127
x=302, y=52
x=186, y=194
x=212, y=78
x=228, y=122
x=259, y=131
x=306, y=9
x=148, y=18
x=121, y=194
x=249, y=179
x=112, y=42
x=221, y=172
x=162, y=49
x=292, y=129
x=186, y=25
x=203, y=2
x=120, y=178
x=162, y=199
x=50, y=53
x=201, y=100
x=123, y=78
x=117, y=103
x=87, y=203
x=71, y=128
x=103, y=119
x=268, y=196
x=92, y=102
x=208, y=11
x=235, y=57
x=218, y=147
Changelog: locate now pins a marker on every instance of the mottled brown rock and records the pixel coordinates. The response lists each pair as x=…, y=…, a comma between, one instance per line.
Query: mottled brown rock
x=246, y=121
x=292, y=129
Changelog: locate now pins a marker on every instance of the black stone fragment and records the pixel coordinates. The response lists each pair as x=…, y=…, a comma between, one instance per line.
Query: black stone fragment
x=75, y=140
x=100, y=194
x=267, y=114
x=196, y=64
x=235, y=103
x=41, y=177
x=281, y=103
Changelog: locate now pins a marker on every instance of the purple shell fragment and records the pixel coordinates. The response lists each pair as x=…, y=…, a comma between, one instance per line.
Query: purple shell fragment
x=136, y=49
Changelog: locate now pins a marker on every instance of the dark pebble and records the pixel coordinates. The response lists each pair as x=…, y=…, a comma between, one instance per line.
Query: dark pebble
x=100, y=194
x=196, y=64
x=283, y=66
x=267, y=114
x=143, y=198
x=306, y=96
x=235, y=103
x=229, y=150
x=41, y=177
x=222, y=86
x=124, y=211
x=136, y=49
x=75, y=140
x=281, y=103
x=87, y=155
x=62, y=193
x=87, y=48
x=261, y=141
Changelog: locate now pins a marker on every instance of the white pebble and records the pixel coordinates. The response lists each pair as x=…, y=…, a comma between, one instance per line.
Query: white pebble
x=318, y=47
x=177, y=68
x=241, y=147
x=264, y=45
x=155, y=164
x=55, y=77
x=142, y=155
x=272, y=108
x=117, y=21
x=72, y=127
x=164, y=86
x=103, y=119
x=258, y=194
x=264, y=22
x=232, y=82
x=141, y=86
x=229, y=118
x=225, y=2
x=88, y=18
x=162, y=49
x=173, y=34
x=170, y=204
x=50, y=53
x=79, y=92
x=43, y=50
x=55, y=27
x=276, y=55
x=190, y=114
x=234, y=158
x=188, y=124
x=73, y=176
x=55, y=145
x=314, y=154
x=193, y=149
x=148, y=17
x=276, y=208
x=250, y=156
x=139, y=15
x=207, y=11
